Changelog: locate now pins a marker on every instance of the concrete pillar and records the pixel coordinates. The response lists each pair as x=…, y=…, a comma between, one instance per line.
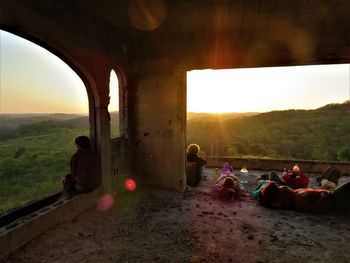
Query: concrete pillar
x=158, y=143
x=103, y=130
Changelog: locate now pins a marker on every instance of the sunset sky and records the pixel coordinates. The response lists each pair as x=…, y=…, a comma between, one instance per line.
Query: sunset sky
x=266, y=89
x=32, y=80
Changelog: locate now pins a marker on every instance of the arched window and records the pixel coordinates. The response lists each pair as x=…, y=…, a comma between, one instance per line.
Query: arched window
x=113, y=106
x=43, y=107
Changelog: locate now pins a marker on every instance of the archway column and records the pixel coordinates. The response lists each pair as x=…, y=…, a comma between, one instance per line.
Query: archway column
x=158, y=125
x=102, y=129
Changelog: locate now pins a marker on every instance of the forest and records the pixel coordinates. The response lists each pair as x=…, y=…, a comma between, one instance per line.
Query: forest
x=320, y=134
x=35, y=149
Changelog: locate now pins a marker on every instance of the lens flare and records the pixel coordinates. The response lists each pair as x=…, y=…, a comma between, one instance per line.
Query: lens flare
x=147, y=14
x=130, y=185
x=105, y=202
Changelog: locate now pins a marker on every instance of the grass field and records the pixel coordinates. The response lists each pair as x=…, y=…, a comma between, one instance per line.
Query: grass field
x=32, y=167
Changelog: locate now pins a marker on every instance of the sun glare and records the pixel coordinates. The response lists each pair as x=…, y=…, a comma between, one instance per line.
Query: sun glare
x=266, y=89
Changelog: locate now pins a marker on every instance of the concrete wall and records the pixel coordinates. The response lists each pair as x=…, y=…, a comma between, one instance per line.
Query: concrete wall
x=158, y=126
x=19, y=232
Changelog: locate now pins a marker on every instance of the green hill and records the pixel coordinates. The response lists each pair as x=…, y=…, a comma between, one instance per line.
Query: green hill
x=319, y=134
x=33, y=166
x=34, y=154
x=193, y=116
x=13, y=120
x=77, y=123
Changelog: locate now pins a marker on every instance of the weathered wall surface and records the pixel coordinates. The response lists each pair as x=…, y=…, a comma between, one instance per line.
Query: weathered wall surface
x=158, y=125
x=19, y=232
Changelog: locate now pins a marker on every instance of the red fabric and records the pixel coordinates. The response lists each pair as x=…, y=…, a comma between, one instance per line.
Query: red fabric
x=315, y=201
x=296, y=179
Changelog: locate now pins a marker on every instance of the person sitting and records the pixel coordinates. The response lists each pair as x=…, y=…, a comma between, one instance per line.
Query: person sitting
x=228, y=185
x=296, y=178
x=194, y=165
x=85, y=169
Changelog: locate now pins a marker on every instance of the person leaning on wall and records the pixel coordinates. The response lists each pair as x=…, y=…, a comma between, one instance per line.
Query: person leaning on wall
x=85, y=169
x=193, y=158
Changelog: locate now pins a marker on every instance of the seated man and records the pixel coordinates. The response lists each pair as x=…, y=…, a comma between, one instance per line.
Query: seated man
x=84, y=169
x=194, y=177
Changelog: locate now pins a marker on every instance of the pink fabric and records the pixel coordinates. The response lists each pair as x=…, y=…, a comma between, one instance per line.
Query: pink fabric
x=227, y=184
x=227, y=169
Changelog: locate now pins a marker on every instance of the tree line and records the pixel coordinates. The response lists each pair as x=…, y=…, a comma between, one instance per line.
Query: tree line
x=321, y=134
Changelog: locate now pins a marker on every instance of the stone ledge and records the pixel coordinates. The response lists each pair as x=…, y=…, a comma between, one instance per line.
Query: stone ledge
x=24, y=229
x=277, y=165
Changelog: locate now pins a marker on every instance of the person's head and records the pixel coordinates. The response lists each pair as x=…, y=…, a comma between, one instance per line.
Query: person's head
x=296, y=168
x=82, y=142
x=229, y=182
x=269, y=194
x=193, y=148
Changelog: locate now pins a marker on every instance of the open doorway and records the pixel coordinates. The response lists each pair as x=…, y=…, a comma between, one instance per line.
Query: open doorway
x=299, y=112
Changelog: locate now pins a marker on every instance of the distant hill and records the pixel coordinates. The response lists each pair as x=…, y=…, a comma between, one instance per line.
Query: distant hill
x=345, y=107
x=77, y=123
x=217, y=116
x=19, y=125
x=300, y=134
x=13, y=120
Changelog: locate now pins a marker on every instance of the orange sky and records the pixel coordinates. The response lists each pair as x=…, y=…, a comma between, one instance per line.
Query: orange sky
x=266, y=89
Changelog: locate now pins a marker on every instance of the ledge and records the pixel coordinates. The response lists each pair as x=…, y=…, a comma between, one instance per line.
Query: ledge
x=313, y=166
x=19, y=232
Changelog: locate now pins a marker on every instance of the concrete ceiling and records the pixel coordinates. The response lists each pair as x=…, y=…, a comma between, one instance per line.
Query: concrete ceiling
x=298, y=30
x=243, y=15
x=204, y=33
